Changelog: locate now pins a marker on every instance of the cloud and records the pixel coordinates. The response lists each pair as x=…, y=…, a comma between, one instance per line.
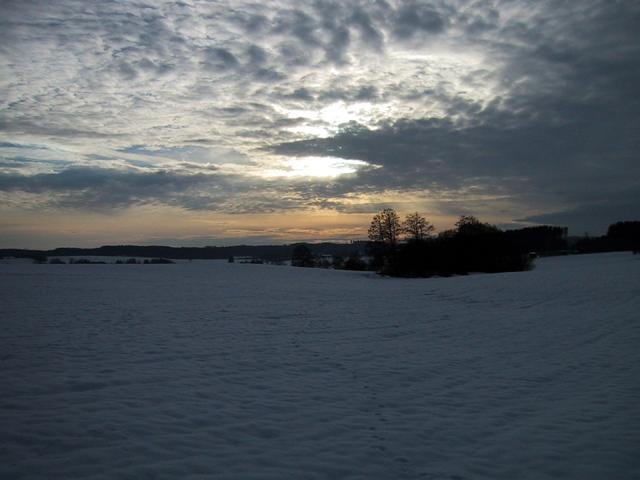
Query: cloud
x=216, y=58
x=256, y=54
x=528, y=108
x=18, y=162
x=98, y=188
x=413, y=18
x=110, y=189
x=567, y=164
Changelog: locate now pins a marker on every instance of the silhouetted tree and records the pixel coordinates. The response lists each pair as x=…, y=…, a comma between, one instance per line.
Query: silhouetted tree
x=385, y=227
x=628, y=229
x=543, y=239
x=447, y=233
x=302, y=256
x=625, y=235
x=472, y=247
x=416, y=227
x=384, y=232
x=620, y=236
x=470, y=225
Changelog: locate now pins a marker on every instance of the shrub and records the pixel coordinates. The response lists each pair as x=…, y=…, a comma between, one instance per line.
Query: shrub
x=354, y=262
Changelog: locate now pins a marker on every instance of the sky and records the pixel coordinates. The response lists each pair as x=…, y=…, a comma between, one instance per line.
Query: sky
x=225, y=122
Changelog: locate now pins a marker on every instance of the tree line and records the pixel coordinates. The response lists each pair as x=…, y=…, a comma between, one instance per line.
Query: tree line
x=472, y=246
x=410, y=247
x=620, y=236
x=396, y=246
x=270, y=253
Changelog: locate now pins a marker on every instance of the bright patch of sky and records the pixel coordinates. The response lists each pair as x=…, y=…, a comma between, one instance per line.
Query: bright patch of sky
x=321, y=167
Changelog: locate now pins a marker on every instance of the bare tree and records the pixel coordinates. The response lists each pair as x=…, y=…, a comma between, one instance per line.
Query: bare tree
x=385, y=227
x=417, y=227
x=467, y=221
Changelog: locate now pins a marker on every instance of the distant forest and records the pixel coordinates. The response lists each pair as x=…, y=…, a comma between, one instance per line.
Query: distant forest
x=272, y=253
x=395, y=247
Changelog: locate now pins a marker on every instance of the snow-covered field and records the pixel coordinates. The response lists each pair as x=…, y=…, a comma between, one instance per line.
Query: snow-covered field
x=215, y=370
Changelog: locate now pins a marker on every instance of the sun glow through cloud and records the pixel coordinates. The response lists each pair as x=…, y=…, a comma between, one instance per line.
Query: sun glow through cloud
x=318, y=167
x=328, y=120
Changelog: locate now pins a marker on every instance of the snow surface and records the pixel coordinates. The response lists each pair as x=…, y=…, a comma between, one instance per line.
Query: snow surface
x=215, y=370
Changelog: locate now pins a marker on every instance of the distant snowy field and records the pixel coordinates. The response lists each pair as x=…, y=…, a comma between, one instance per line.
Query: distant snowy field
x=215, y=370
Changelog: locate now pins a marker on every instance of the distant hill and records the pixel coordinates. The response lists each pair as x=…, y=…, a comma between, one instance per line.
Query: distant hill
x=266, y=252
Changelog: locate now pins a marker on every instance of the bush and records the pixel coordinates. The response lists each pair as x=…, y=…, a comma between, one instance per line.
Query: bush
x=354, y=262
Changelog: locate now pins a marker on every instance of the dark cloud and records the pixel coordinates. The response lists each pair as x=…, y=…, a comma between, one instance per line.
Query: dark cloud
x=49, y=127
x=17, y=145
x=268, y=75
x=300, y=94
x=364, y=24
x=94, y=188
x=256, y=54
x=338, y=45
x=295, y=55
x=127, y=71
x=79, y=178
x=299, y=25
x=108, y=189
x=368, y=93
x=194, y=167
x=20, y=162
x=413, y=18
x=216, y=58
